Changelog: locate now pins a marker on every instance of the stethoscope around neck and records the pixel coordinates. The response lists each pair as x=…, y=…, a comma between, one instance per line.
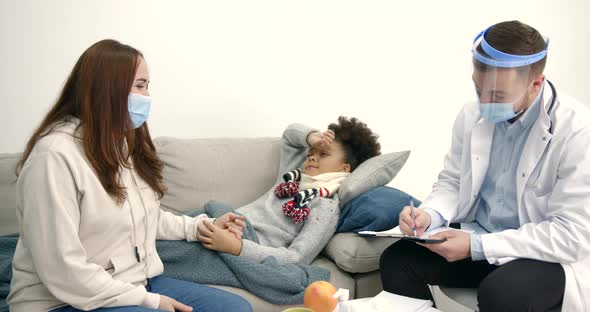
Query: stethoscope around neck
x=550, y=109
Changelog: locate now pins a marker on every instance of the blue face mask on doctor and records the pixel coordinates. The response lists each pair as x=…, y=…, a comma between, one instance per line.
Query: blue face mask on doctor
x=496, y=112
x=139, y=108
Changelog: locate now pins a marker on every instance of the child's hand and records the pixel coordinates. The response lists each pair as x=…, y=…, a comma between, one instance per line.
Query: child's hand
x=232, y=222
x=218, y=239
x=319, y=140
x=236, y=229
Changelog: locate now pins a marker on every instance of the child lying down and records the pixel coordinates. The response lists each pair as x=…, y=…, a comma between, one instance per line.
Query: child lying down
x=298, y=216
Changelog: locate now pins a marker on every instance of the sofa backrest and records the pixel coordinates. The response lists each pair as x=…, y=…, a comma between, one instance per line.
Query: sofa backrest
x=235, y=171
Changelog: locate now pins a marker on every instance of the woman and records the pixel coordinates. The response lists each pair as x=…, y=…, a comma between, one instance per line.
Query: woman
x=88, y=192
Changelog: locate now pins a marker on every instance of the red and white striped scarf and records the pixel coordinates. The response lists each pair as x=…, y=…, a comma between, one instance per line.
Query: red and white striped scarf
x=304, y=188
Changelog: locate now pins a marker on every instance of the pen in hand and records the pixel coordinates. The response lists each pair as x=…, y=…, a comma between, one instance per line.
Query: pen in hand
x=413, y=215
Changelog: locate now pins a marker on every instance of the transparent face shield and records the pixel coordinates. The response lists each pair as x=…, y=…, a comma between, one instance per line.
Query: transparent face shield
x=501, y=80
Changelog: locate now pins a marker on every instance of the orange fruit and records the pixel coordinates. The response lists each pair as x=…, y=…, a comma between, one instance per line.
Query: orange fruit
x=318, y=297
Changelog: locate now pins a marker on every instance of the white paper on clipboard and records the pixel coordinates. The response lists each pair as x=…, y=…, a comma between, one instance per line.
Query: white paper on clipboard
x=397, y=233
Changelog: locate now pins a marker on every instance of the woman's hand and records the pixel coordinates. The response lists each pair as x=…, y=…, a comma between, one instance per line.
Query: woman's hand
x=318, y=140
x=169, y=304
x=221, y=240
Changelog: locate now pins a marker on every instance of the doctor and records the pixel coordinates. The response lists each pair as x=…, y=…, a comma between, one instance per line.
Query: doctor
x=518, y=177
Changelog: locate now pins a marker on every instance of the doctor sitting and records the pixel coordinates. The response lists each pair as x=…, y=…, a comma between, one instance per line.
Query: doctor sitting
x=517, y=177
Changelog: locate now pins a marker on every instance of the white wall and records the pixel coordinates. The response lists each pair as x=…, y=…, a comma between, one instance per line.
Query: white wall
x=249, y=68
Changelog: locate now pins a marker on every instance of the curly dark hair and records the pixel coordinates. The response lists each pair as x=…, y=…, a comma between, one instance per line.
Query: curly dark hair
x=359, y=142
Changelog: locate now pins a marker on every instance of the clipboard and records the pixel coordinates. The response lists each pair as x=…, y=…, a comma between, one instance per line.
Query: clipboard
x=396, y=233
x=421, y=240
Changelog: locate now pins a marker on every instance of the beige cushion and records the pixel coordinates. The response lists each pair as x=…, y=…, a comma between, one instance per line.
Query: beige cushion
x=357, y=254
x=8, y=223
x=338, y=278
x=373, y=172
x=234, y=171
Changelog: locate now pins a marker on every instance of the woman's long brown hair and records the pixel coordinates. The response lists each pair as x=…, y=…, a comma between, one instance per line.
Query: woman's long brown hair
x=96, y=93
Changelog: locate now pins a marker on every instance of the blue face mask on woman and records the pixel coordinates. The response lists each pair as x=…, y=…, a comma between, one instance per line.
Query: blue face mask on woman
x=139, y=108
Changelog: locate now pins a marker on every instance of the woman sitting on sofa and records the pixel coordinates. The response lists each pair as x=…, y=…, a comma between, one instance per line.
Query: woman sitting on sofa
x=295, y=220
x=88, y=194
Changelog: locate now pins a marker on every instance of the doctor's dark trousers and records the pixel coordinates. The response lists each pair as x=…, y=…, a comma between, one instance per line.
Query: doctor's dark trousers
x=520, y=285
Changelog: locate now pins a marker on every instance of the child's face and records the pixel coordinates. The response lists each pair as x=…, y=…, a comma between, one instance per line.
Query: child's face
x=328, y=158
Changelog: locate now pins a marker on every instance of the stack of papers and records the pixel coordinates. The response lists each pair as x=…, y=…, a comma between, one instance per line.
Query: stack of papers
x=386, y=302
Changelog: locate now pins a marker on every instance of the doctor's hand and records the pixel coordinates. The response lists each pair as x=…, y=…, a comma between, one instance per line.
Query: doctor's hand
x=457, y=247
x=406, y=224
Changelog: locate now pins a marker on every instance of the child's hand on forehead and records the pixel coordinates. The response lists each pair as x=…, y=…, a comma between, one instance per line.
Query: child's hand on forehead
x=321, y=139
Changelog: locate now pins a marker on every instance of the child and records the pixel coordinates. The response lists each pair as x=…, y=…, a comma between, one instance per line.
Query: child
x=296, y=218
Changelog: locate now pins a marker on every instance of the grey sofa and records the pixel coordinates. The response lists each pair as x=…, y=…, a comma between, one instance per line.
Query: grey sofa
x=199, y=170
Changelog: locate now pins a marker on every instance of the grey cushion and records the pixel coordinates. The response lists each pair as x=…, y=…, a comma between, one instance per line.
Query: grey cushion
x=357, y=254
x=455, y=299
x=8, y=222
x=374, y=172
x=338, y=278
x=234, y=171
x=368, y=284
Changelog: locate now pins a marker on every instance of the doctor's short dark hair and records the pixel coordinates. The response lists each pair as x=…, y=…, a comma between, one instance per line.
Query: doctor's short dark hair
x=358, y=141
x=515, y=37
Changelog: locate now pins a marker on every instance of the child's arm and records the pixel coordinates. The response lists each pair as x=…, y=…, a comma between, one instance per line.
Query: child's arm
x=294, y=147
x=314, y=236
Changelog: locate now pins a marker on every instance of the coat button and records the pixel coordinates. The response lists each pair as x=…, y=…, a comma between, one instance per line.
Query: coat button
x=523, y=175
x=544, y=138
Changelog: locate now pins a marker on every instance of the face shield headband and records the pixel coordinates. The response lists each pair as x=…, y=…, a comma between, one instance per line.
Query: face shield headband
x=496, y=58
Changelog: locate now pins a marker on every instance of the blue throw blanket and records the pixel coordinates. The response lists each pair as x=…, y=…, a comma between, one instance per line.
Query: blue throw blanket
x=269, y=280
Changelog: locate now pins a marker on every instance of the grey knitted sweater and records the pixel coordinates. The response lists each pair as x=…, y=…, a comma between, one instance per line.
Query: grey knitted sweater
x=279, y=235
